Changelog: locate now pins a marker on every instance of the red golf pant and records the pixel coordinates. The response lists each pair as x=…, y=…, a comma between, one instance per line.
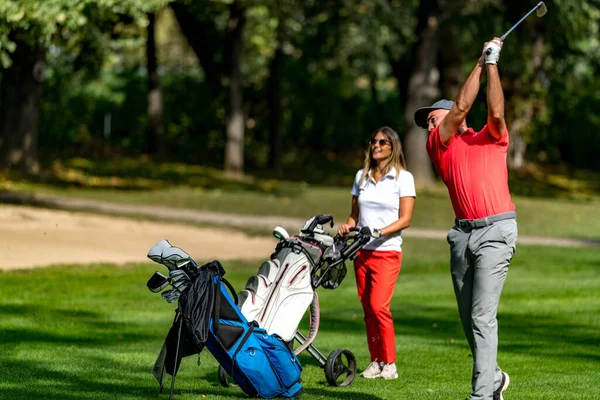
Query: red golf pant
x=376, y=274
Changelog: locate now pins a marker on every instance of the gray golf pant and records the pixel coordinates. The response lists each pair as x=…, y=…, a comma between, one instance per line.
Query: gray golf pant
x=479, y=259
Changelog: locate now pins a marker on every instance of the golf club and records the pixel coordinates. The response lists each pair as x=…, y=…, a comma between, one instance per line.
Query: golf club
x=541, y=11
x=157, y=282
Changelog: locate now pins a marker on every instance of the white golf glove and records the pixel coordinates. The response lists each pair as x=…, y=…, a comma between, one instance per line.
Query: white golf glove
x=492, y=52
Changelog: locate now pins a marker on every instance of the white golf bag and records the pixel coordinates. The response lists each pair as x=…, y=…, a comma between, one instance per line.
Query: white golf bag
x=278, y=296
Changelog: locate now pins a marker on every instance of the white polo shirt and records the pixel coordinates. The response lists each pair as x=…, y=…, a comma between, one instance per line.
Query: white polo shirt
x=379, y=202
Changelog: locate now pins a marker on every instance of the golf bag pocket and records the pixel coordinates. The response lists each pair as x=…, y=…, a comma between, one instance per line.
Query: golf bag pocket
x=267, y=363
x=282, y=359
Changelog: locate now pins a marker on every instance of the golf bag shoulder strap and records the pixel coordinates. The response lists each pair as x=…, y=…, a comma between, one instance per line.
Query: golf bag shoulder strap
x=217, y=305
x=231, y=290
x=251, y=326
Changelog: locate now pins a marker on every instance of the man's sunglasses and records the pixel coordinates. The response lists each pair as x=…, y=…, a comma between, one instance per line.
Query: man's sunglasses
x=382, y=142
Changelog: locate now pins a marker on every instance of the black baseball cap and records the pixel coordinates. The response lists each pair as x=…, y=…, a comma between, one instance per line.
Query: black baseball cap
x=422, y=113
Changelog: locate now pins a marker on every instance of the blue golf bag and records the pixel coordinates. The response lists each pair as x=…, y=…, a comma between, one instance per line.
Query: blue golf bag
x=208, y=316
x=261, y=364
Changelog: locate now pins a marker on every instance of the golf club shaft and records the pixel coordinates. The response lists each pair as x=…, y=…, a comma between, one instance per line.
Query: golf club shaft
x=521, y=20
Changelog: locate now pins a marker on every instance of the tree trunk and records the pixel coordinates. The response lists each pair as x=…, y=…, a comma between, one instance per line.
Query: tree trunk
x=22, y=85
x=155, y=102
x=206, y=41
x=523, y=106
x=451, y=75
x=422, y=91
x=274, y=105
x=234, y=148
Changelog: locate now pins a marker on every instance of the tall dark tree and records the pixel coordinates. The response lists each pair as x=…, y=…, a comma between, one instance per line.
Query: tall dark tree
x=234, y=148
x=155, y=101
x=422, y=89
x=274, y=105
x=220, y=55
x=22, y=87
x=25, y=37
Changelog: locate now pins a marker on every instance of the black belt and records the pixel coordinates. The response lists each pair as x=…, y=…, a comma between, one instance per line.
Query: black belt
x=482, y=222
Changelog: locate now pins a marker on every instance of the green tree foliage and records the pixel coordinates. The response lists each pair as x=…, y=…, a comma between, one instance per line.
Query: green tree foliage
x=32, y=29
x=44, y=22
x=331, y=71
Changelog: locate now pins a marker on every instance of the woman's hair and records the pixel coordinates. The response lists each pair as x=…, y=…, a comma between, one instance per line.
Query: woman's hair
x=396, y=159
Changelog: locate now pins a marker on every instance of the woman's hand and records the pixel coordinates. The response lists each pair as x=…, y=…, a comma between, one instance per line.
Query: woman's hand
x=344, y=229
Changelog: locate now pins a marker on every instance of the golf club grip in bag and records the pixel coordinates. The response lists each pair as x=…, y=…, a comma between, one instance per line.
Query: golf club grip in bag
x=259, y=363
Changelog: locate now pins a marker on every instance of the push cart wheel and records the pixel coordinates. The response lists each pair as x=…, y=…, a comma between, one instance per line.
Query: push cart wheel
x=224, y=378
x=340, y=368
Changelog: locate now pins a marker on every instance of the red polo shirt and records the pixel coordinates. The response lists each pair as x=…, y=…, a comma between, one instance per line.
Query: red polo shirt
x=473, y=167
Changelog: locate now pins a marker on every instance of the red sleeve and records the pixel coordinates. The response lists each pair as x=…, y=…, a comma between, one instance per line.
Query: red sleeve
x=435, y=147
x=502, y=142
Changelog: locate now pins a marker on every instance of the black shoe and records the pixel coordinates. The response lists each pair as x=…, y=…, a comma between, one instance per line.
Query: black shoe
x=503, y=385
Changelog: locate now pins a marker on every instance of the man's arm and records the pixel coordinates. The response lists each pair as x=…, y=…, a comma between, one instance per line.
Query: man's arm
x=463, y=103
x=495, y=102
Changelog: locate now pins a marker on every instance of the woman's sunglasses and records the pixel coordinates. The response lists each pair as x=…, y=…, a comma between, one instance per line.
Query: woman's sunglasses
x=382, y=142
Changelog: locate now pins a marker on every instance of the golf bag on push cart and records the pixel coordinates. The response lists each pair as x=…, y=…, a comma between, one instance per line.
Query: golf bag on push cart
x=261, y=364
x=278, y=296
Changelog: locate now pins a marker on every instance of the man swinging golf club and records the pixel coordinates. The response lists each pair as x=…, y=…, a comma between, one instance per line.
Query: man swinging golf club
x=472, y=164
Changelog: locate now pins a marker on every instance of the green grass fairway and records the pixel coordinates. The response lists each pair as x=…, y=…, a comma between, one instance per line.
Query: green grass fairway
x=73, y=333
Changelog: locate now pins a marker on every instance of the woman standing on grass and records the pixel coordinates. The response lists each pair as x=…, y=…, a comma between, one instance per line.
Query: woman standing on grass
x=383, y=197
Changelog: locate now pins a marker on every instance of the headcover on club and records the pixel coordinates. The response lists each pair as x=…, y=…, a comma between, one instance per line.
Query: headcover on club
x=174, y=258
x=156, y=251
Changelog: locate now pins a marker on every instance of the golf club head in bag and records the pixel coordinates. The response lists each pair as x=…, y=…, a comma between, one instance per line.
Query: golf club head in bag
x=280, y=233
x=155, y=253
x=171, y=295
x=174, y=258
x=540, y=10
x=180, y=280
x=157, y=282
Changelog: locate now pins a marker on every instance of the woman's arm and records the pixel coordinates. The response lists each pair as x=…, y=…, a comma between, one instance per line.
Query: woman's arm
x=344, y=229
x=407, y=204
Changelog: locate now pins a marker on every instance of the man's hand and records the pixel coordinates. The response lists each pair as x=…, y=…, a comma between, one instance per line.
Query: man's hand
x=491, y=51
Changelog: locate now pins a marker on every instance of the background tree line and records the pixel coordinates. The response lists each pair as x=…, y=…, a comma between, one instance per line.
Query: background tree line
x=276, y=85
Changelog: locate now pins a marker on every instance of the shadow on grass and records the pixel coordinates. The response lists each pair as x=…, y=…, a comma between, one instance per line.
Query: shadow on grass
x=38, y=380
x=540, y=334
x=45, y=381
x=90, y=328
x=341, y=393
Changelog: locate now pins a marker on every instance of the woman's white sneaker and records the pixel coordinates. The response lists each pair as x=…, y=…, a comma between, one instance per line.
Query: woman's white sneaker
x=389, y=371
x=372, y=371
